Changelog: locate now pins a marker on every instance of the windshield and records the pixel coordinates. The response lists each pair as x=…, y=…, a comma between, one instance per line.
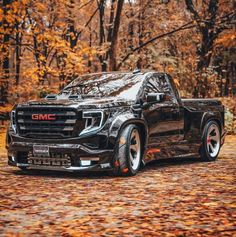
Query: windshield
x=121, y=85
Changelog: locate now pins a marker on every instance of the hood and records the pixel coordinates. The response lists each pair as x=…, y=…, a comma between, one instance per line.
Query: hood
x=79, y=103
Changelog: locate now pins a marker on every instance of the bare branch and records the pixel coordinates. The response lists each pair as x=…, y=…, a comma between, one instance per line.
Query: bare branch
x=85, y=4
x=90, y=19
x=186, y=26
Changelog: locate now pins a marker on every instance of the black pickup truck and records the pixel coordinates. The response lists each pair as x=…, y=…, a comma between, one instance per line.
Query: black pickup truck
x=114, y=121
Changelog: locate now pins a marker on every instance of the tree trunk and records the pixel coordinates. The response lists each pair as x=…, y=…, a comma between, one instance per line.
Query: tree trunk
x=114, y=41
x=131, y=29
x=141, y=19
x=5, y=52
x=18, y=56
x=209, y=33
x=101, y=7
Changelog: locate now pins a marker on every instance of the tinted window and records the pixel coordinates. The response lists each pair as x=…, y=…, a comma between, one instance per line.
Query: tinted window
x=176, y=92
x=158, y=83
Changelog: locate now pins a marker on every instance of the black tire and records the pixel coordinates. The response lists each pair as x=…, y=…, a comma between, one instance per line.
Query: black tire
x=125, y=162
x=210, y=147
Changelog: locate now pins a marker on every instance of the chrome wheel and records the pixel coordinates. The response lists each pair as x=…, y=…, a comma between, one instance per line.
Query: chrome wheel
x=135, y=149
x=213, y=140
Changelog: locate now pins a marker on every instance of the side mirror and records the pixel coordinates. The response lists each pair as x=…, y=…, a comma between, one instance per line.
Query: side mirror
x=155, y=97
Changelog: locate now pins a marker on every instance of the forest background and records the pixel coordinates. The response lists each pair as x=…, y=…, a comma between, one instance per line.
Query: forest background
x=44, y=44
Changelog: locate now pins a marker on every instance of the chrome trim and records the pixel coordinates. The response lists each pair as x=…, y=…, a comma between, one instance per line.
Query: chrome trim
x=83, y=158
x=22, y=164
x=186, y=155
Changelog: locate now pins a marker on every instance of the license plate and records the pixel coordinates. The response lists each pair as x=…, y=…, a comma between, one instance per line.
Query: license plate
x=41, y=150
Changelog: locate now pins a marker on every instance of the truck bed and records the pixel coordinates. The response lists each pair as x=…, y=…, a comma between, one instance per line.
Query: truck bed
x=201, y=102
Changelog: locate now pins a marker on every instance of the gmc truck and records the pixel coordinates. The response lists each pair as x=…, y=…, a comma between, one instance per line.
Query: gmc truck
x=116, y=121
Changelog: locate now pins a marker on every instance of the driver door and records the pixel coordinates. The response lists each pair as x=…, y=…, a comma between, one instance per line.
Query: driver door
x=163, y=117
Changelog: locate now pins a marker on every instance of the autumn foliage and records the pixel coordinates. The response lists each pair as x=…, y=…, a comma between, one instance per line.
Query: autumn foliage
x=45, y=44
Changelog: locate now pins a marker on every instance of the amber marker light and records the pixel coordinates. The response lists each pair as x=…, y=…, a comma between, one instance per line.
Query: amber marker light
x=154, y=150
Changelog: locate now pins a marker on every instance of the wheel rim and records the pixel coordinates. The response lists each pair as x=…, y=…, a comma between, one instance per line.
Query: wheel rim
x=135, y=149
x=213, y=140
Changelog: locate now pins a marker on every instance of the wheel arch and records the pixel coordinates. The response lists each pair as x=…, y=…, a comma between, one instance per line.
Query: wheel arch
x=143, y=136
x=209, y=116
x=123, y=121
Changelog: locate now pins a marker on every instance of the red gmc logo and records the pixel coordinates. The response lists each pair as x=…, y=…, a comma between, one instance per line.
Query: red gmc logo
x=43, y=117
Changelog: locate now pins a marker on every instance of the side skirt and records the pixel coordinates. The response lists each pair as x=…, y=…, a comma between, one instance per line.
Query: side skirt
x=180, y=150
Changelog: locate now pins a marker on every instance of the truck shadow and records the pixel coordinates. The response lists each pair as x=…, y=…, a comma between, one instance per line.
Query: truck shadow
x=154, y=165
x=157, y=164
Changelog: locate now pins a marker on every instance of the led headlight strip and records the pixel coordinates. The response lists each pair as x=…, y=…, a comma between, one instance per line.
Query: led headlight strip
x=94, y=121
x=13, y=120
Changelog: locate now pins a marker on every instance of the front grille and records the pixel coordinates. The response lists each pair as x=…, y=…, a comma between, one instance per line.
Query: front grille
x=68, y=123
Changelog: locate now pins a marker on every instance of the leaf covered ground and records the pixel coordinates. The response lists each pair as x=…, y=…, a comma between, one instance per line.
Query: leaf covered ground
x=174, y=198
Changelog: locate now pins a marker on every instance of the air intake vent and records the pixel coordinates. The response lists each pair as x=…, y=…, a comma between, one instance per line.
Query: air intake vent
x=51, y=97
x=73, y=97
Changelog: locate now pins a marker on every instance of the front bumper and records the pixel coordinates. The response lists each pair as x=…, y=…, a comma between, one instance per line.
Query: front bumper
x=19, y=155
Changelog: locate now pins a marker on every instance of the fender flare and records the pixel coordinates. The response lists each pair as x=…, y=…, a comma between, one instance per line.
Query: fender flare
x=121, y=121
x=207, y=116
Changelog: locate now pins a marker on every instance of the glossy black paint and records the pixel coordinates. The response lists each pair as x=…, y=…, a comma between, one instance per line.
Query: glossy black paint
x=170, y=128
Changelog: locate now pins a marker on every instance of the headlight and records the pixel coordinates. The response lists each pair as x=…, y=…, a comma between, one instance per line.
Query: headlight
x=94, y=121
x=13, y=120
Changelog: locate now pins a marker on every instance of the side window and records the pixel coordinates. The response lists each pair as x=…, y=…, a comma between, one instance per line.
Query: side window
x=157, y=83
x=177, y=95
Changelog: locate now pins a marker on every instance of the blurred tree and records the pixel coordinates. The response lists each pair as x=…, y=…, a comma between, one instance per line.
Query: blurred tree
x=109, y=32
x=6, y=30
x=212, y=18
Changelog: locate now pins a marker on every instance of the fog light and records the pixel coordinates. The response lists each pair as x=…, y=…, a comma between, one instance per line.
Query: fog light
x=85, y=162
x=106, y=165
